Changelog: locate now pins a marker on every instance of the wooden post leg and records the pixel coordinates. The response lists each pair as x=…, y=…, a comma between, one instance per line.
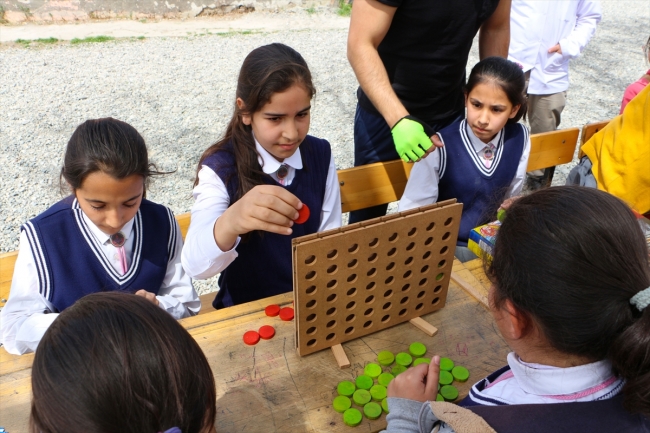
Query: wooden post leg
x=424, y=326
x=469, y=289
x=340, y=356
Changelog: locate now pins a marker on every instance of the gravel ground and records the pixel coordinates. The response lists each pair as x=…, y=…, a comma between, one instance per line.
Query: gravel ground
x=179, y=92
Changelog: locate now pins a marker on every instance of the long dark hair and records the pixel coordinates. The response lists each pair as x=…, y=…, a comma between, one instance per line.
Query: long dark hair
x=507, y=75
x=108, y=145
x=266, y=70
x=114, y=362
x=569, y=259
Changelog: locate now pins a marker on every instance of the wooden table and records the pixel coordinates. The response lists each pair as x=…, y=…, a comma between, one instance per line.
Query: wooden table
x=268, y=387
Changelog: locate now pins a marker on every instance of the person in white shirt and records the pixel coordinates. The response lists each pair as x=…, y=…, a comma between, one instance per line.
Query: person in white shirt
x=104, y=237
x=544, y=36
x=262, y=184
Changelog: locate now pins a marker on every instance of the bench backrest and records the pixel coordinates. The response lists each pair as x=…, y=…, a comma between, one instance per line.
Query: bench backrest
x=588, y=131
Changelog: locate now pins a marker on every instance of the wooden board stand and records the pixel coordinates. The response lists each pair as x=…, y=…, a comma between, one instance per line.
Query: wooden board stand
x=369, y=276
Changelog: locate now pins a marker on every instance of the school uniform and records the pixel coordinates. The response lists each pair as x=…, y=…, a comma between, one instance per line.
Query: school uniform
x=63, y=256
x=259, y=266
x=462, y=170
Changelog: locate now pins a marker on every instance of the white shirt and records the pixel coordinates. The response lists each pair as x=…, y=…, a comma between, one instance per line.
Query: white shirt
x=422, y=186
x=536, y=26
x=201, y=256
x=27, y=314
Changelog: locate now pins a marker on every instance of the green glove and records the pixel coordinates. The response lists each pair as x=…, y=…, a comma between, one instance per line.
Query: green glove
x=411, y=137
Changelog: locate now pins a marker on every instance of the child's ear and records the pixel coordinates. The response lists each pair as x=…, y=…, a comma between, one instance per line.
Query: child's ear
x=245, y=118
x=516, y=323
x=514, y=111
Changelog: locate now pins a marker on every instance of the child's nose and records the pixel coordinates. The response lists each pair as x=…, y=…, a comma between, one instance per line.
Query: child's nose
x=114, y=218
x=291, y=131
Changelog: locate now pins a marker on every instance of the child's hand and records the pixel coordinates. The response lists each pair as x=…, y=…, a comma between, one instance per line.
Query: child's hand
x=419, y=383
x=148, y=296
x=266, y=207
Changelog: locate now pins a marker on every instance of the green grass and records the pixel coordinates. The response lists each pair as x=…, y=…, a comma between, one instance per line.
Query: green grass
x=311, y=10
x=23, y=42
x=140, y=38
x=47, y=40
x=91, y=39
x=345, y=8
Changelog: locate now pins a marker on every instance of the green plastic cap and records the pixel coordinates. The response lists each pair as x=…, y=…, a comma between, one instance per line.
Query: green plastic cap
x=417, y=349
x=440, y=398
x=372, y=370
x=341, y=403
x=421, y=361
x=372, y=410
x=346, y=388
x=385, y=378
x=384, y=405
x=385, y=357
x=445, y=378
x=461, y=374
x=446, y=364
x=364, y=382
x=378, y=392
x=361, y=397
x=352, y=417
x=398, y=369
x=449, y=392
x=404, y=359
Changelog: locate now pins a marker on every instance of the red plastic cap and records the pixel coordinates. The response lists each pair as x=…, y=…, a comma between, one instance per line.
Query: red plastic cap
x=286, y=314
x=303, y=214
x=272, y=310
x=251, y=338
x=267, y=332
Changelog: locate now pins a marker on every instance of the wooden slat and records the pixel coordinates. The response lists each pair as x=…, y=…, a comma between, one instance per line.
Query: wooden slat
x=184, y=223
x=340, y=356
x=424, y=326
x=552, y=148
x=7, y=262
x=588, y=131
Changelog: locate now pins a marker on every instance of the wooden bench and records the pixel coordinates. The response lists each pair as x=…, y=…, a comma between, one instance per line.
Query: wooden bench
x=588, y=131
x=371, y=185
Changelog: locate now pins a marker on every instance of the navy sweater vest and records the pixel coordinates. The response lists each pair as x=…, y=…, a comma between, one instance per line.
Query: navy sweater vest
x=71, y=264
x=463, y=175
x=263, y=267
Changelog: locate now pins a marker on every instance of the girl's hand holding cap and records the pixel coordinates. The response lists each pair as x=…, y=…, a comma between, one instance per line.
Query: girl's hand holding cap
x=419, y=383
x=148, y=296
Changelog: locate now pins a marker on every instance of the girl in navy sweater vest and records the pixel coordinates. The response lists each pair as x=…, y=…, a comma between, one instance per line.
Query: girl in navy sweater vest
x=253, y=182
x=571, y=296
x=105, y=236
x=485, y=155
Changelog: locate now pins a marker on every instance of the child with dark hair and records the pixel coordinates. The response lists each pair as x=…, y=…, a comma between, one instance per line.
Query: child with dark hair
x=485, y=155
x=570, y=295
x=252, y=182
x=105, y=236
x=116, y=363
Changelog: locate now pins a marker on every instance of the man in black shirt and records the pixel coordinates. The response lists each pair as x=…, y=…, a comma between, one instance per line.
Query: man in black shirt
x=409, y=57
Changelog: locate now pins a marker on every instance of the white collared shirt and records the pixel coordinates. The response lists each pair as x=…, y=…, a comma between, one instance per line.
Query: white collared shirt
x=27, y=314
x=536, y=26
x=201, y=256
x=422, y=186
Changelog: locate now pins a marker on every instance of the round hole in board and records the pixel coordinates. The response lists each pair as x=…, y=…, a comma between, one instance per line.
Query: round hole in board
x=330, y=336
x=310, y=260
x=310, y=290
x=370, y=299
x=311, y=304
x=440, y=276
x=331, y=284
x=428, y=241
x=350, y=330
x=406, y=287
x=421, y=294
x=311, y=317
x=371, y=285
x=388, y=293
x=386, y=318
x=410, y=246
x=437, y=289
x=310, y=275
x=371, y=272
x=389, y=280
x=419, y=306
x=331, y=323
x=387, y=305
x=372, y=258
x=373, y=243
x=391, y=252
x=404, y=300
x=352, y=278
x=430, y=226
x=402, y=312
x=332, y=254
x=424, y=269
x=351, y=305
x=407, y=274
x=353, y=249
x=446, y=236
x=352, y=291
x=448, y=221
x=332, y=269
x=368, y=312
x=426, y=255
x=422, y=282
x=331, y=298
x=393, y=237
x=413, y=231
x=435, y=301
x=331, y=311
x=353, y=263
x=350, y=318
x=311, y=330
x=368, y=324
x=311, y=342
x=442, y=263
x=408, y=261
x=444, y=250
x=390, y=266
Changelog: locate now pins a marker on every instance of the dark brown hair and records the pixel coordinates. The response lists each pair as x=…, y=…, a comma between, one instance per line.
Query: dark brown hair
x=266, y=70
x=108, y=145
x=569, y=259
x=507, y=75
x=116, y=363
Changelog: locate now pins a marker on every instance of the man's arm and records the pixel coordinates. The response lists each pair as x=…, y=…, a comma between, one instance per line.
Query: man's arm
x=494, y=36
x=369, y=24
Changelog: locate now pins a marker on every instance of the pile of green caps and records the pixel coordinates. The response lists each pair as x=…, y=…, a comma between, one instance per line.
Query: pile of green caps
x=448, y=373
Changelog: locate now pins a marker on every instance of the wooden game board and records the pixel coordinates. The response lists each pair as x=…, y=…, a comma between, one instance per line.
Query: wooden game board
x=372, y=275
